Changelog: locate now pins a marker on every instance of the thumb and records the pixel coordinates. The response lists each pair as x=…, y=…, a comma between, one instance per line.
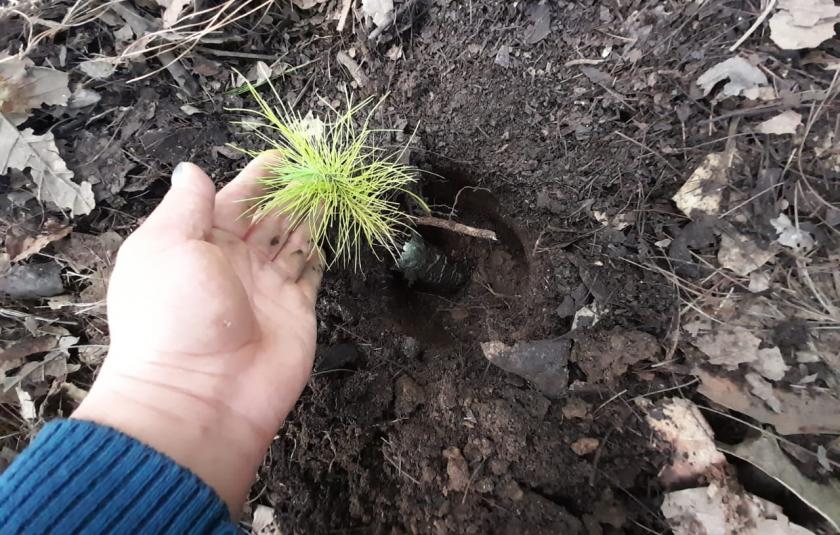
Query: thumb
x=186, y=211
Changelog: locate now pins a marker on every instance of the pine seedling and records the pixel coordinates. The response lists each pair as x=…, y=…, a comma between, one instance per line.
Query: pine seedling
x=330, y=176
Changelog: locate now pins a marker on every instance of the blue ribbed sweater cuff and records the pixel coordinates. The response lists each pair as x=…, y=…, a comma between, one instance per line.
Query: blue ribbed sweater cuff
x=80, y=477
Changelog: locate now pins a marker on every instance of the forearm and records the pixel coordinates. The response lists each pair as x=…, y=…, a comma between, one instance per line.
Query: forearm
x=202, y=434
x=80, y=477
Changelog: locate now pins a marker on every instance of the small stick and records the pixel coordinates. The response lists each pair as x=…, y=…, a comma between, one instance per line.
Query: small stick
x=236, y=54
x=428, y=221
x=574, y=62
x=345, y=10
x=755, y=25
x=178, y=72
x=604, y=404
x=355, y=70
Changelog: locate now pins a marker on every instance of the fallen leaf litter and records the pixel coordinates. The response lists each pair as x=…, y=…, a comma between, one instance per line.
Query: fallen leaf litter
x=755, y=328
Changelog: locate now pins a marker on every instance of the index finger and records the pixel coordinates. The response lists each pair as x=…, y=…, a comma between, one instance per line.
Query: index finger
x=239, y=195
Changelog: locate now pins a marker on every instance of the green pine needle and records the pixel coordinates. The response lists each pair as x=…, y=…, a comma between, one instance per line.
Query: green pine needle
x=333, y=179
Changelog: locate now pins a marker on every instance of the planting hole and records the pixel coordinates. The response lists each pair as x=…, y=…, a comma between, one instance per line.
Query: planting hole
x=462, y=279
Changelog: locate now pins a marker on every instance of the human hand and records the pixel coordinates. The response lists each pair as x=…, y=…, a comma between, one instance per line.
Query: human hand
x=213, y=327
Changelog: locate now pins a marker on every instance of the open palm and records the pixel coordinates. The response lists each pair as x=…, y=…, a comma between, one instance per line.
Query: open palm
x=212, y=322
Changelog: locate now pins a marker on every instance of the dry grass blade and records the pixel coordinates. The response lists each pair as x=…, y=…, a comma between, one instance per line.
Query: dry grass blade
x=79, y=13
x=189, y=30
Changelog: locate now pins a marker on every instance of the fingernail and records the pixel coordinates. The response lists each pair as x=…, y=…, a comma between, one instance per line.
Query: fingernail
x=179, y=173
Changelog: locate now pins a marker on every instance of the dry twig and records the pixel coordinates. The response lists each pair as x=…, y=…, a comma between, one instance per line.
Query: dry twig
x=345, y=10
x=764, y=14
x=460, y=228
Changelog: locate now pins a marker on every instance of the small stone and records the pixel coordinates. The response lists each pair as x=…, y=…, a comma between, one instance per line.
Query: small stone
x=576, y=408
x=585, y=446
x=510, y=490
x=542, y=362
x=456, y=469
x=407, y=395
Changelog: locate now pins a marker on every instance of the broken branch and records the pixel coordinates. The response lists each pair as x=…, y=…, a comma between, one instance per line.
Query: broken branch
x=429, y=221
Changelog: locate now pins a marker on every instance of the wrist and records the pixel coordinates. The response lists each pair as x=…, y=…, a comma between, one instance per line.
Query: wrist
x=201, y=433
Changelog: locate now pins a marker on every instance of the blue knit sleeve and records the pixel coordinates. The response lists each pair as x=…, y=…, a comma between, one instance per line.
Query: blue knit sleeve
x=80, y=477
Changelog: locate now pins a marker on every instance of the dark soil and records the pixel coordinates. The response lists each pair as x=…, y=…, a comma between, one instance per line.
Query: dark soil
x=415, y=431
x=406, y=427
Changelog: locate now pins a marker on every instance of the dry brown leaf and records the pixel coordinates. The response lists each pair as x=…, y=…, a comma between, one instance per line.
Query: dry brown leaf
x=53, y=181
x=172, y=10
x=394, y=53
x=828, y=62
x=803, y=23
x=540, y=27
x=770, y=363
x=21, y=244
x=263, y=522
x=98, y=69
x=702, y=193
x=606, y=355
x=719, y=509
x=588, y=316
x=789, y=36
x=88, y=251
x=24, y=87
x=728, y=346
x=83, y=97
x=791, y=235
x=742, y=76
x=810, y=12
x=759, y=282
x=618, y=222
x=785, y=123
x=694, y=456
x=741, y=254
x=53, y=364
x=805, y=411
x=763, y=390
x=381, y=12
x=258, y=74
x=764, y=453
x=29, y=346
x=826, y=346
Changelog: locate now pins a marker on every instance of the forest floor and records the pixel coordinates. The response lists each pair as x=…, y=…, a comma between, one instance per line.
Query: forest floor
x=654, y=337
